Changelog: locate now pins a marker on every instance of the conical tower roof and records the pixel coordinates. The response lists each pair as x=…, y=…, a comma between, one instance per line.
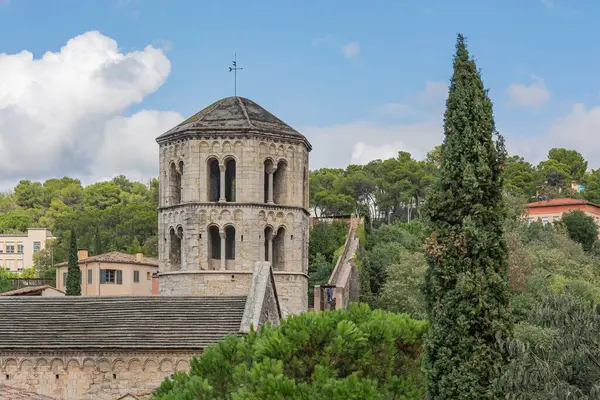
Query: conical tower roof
x=232, y=115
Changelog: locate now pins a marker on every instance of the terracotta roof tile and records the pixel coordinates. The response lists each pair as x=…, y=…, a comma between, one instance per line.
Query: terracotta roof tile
x=29, y=289
x=560, y=202
x=116, y=257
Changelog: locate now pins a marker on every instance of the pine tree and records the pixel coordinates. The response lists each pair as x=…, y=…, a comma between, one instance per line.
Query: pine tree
x=73, y=272
x=466, y=283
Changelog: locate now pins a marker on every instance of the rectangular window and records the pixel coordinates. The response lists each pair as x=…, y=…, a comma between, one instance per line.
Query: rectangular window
x=1, y=247
x=555, y=218
x=10, y=247
x=119, y=277
x=136, y=276
x=37, y=246
x=545, y=220
x=64, y=279
x=20, y=247
x=107, y=276
x=89, y=276
x=148, y=277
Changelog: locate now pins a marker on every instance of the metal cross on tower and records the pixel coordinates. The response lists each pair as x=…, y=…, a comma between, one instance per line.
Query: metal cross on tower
x=234, y=68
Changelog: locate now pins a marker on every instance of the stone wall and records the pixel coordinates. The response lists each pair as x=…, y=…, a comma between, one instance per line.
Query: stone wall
x=83, y=375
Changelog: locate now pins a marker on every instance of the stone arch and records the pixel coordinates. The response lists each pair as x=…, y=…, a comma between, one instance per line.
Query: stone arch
x=213, y=179
x=225, y=215
x=280, y=182
x=104, y=365
x=175, y=182
x=230, y=178
x=278, y=249
x=42, y=365
x=88, y=364
x=182, y=365
x=166, y=365
x=226, y=146
x=268, y=242
x=214, y=246
x=57, y=365
x=119, y=365
x=73, y=364
x=26, y=364
x=175, y=247
x=229, y=242
x=216, y=147
x=134, y=365
x=150, y=366
x=10, y=365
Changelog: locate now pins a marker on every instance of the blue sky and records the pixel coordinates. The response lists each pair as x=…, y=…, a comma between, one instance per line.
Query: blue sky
x=364, y=78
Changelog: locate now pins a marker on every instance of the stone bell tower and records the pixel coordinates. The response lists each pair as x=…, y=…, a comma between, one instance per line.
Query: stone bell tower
x=233, y=191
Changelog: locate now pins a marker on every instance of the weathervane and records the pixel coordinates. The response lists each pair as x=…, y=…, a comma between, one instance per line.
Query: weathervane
x=235, y=70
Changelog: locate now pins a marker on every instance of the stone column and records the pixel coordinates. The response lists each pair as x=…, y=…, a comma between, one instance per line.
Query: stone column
x=223, y=236
x=270, y=248
x=222, y=169
x=271, y=173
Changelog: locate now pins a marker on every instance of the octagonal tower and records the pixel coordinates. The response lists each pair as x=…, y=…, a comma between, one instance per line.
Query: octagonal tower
x=233, y=191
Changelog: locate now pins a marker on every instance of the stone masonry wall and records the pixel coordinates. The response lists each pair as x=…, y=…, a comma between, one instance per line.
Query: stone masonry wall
x=89, y=375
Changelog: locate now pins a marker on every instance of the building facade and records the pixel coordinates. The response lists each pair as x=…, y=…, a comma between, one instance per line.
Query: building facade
x=17, y=250
x=233, y=192
x=111, y=274
x=549, y=211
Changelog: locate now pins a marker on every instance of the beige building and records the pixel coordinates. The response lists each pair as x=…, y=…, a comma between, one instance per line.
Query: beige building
x=233, y=192
x=111, y=274
x=17, y=250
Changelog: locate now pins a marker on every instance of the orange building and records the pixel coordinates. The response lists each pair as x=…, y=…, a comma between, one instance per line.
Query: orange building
x=552, y=210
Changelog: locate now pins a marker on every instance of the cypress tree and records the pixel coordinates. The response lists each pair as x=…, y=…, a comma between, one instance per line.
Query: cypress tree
x=73, y=272
x=466, y=282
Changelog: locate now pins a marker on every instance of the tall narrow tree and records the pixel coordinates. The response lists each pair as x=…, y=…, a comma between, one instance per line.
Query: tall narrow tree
x=466, y=284
x=73, y=272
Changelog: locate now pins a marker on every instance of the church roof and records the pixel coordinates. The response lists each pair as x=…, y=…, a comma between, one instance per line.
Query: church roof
x=151, y=322
x=232, y=115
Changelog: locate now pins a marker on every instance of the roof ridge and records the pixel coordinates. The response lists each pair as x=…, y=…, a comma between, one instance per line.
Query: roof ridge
x=245, y=111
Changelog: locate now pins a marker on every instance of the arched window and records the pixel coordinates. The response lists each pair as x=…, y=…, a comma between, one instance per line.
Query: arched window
x=175, y=244
x=229, y=242
x=230, y=181
x=280, y=183
x=268, y=181
x=175, y=174
x=279, y=250
x=213, y=180
x=214, y=247
x=268, y=237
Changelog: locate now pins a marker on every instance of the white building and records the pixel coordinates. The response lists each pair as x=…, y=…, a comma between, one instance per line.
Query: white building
x=17, y=249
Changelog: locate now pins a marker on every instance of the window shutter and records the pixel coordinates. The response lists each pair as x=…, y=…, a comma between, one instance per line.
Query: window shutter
x=119, y=277
x=102, y=276
x=89, y=276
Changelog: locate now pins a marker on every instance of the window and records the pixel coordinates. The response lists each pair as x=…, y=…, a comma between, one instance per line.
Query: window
x=136, y=276
x=10, y=247
x=1, y=247
x=64, y=279
x=545, y=220
x=37, y=246
x=148, y=277
x=555, y=218
x=20, y=247
x=89, y=276
x=111, y=276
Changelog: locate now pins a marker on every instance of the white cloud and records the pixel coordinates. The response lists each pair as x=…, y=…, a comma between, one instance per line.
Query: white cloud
x=62, y=114
x=350, y=142
x=434, y=93
x=399, y=110
x=351, y=50
x=533, y=95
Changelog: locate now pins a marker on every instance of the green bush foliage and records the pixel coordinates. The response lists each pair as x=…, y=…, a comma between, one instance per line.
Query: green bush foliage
x=581, y=228
x=355, y=354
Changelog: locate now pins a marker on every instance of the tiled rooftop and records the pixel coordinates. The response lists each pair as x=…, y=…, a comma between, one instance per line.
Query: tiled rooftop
x=116, y=257
x=128, y=322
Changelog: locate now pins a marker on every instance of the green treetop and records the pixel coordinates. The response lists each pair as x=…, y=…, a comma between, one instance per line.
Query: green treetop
x=466, y=286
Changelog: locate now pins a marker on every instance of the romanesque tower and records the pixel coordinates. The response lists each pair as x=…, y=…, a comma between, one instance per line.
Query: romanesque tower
x=233, y=191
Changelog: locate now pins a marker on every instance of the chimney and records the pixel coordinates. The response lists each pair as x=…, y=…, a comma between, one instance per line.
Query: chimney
x=139, y=257
x=82, y=253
